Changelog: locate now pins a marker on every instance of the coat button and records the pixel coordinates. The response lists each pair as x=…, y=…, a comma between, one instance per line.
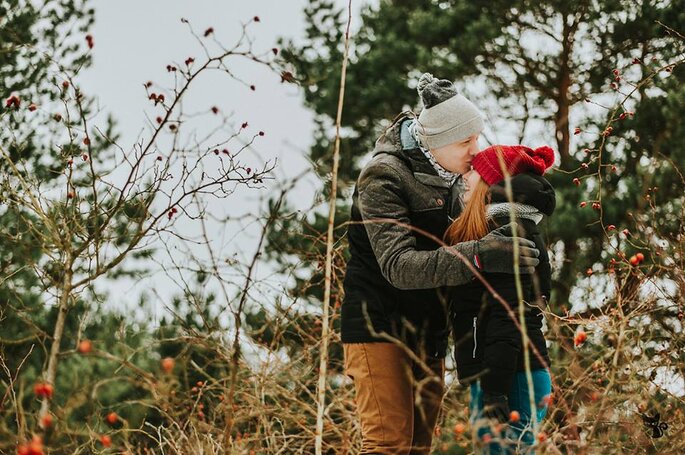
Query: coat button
x=439, y=201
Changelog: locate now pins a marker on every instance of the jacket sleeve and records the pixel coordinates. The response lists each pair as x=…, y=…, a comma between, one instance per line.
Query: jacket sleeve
x=385, y=212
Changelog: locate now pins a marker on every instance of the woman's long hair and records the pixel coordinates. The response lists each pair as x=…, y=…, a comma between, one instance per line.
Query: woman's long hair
x=472, y=224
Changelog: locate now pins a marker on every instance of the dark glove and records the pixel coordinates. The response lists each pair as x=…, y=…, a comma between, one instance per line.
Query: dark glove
x=495, y=252
x=496, y=407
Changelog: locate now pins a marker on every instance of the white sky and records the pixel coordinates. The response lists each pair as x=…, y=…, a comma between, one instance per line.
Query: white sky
x=135, y=40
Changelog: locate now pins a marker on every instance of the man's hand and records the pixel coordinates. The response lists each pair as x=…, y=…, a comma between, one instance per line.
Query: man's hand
x=495, y=252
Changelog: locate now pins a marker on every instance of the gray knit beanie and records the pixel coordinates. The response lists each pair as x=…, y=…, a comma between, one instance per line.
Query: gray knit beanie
x=446, y=116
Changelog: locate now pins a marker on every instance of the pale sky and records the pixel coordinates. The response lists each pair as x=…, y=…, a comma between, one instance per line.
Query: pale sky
x=135, y=40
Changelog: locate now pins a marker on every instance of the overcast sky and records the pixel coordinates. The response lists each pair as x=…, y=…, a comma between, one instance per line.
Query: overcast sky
x=135, y=40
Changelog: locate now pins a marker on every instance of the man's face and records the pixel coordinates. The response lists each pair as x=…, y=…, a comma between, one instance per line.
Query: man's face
x=456, y=157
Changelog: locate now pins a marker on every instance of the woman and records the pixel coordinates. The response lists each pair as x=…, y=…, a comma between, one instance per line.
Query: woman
x=488, y=343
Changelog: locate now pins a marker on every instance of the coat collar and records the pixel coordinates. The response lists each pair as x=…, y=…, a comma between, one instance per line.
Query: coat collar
x=390, y=142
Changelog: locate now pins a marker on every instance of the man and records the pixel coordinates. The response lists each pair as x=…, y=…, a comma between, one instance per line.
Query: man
x=394, y=321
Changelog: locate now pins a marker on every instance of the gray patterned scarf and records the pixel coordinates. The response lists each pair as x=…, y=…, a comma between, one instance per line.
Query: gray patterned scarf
x=446, y=175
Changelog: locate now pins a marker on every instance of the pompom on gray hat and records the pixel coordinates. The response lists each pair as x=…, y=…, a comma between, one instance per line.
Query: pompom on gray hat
x=447, y=116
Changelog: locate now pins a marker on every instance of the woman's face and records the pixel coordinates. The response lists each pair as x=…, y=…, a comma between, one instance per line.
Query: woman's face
x=471, y=179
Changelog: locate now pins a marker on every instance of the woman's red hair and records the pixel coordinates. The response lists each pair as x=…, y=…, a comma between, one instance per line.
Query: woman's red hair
x=472, y=224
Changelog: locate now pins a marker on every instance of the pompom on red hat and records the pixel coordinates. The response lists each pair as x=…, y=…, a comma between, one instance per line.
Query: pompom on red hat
x=517, y=159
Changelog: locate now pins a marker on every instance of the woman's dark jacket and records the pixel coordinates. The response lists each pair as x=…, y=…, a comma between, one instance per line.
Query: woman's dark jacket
x=486, y=339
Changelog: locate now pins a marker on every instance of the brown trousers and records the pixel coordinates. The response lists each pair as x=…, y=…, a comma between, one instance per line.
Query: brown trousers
x=397, y=400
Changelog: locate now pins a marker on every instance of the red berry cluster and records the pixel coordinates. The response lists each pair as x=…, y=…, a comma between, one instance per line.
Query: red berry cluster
x=35, y=447
x=13, y=102
x=636, y=259
x=43, y=390
x=157, y=98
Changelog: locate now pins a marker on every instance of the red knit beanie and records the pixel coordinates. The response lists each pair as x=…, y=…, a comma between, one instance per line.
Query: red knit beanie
x=517, y=159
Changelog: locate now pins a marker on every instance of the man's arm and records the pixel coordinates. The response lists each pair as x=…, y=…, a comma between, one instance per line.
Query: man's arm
x=385, y=212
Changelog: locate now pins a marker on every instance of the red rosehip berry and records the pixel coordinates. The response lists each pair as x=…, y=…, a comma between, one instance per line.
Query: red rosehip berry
x=274, y=50
x=583, y=204
x=84, y=157
x=589, y=272
x=32, y=107
x=85, y=346
x=640, y=257
x=579, y=338
x=105, y=440
x=626, y=232
x=89, y=41
x=261, y=133
x=159, y=120
x=542, y=436
x=86, y=141
x=459, y=428
x=287, y=76
x=244, y=125
x=253, y=88
x=215, y=110
x=256, y=19
x=112, y=418
x=576, y=181
x=634, y=260
x=46, y=421
x=209, y=31
x=611, y=227
x=189, y=61
x=168, y=364
x=577, y=131
x=514, y=416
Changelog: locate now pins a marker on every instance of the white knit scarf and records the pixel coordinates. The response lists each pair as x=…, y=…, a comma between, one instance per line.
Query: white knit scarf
x=446, y=175
x=501, y=209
